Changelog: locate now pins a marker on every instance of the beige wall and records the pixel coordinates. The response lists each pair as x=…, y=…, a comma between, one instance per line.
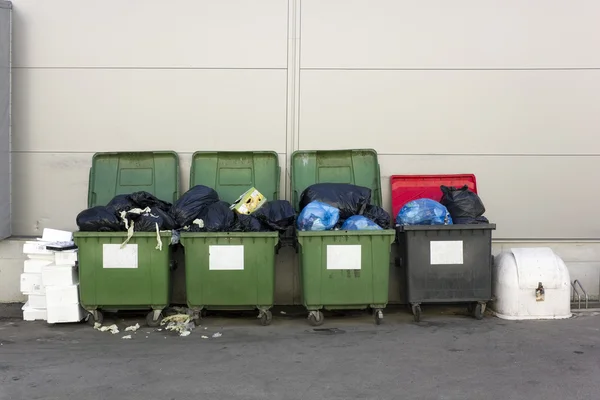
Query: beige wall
x=509, y=91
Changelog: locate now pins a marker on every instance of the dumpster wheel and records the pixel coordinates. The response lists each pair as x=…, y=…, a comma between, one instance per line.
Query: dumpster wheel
x=94, y=317
x=316, y=318
x=478, y=312
x=265, y=317
x=416, y=309
x=153, y=322
x=378, y=316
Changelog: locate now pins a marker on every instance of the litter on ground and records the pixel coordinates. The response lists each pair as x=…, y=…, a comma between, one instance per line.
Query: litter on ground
x=204, y=337
x=218, y=334
x=180, y=323
x=112, y=328
x=132, y=328
x=127, y=337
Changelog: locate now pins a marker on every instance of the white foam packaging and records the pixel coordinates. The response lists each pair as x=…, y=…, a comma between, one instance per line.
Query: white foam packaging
x=32, y=284
x=37, y=301
x=53, y=275
x=65, y=257
x=33, y=314
x=57, y=296
x=36, y=248
x=55, y=235
x=35, y=266
x=65, y=313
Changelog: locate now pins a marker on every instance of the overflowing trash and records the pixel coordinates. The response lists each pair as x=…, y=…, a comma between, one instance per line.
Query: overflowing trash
x=317, y=216
x=188, y=206
x=327, y=206
x=249, y=202
x=348, y=199
x=424, y=212
x=464, y=206
x=360, y=223
x=197, y=210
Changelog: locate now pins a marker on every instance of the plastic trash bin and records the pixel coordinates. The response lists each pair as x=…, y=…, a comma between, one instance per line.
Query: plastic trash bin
x=232, y=270
x=342, y=269
x=135, y=276
x=443, y=263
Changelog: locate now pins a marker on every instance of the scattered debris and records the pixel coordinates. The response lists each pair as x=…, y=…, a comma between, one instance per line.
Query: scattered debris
x=159, y=330
x=126, y=337
x=132, y=328
x=283, y=312
x=218, y=334
x=181, y=323
x=204, y=337
x=112, y=328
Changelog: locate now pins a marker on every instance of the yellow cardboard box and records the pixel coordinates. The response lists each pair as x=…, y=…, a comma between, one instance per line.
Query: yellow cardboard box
x=249, y=202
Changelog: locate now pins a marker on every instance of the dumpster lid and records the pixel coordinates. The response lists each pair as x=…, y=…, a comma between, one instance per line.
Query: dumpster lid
x=156, y=172
x=357, y=167
x=231, y=173
x=407, y=188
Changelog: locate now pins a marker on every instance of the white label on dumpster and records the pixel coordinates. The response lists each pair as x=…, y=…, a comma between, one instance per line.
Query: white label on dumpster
x=228, y=258
x=343, y=256
x=446, y=252
x=113, y=256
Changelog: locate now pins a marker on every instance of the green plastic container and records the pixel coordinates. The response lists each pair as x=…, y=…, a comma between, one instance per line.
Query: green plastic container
x=135, y=276
x=342, y=269
x=232, y=271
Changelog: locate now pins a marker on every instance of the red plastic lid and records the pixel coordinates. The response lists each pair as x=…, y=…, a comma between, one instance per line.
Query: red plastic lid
x=407, y=188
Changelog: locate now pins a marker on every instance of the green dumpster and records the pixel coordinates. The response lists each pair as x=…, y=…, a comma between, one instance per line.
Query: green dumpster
x=342, y=269
x=135, y=276
x=232, y=271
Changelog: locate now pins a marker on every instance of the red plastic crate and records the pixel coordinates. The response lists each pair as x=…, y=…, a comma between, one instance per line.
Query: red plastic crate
x=407, y=188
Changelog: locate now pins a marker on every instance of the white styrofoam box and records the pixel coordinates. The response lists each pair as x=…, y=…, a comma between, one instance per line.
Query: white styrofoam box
x=35, y=266
x=65, y=313
x=62, y=295
x=53, y=275
x=65, y=257
x=33, y=314
x=55, y=235
x=37, y=248
x=45, y=257
x=515, y=277
x=37, y=301
x=32, y=284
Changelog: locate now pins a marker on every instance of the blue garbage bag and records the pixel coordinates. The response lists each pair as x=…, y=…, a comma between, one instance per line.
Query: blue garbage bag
x=423, y=212
x=360, y=223
x=317, y=216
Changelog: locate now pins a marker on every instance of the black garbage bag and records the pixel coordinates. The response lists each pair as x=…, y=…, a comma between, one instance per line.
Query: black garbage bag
x=147, y=221
x=121, y=202
x=277, y=215
x=215, y=217
x=99, y=219
x=248, y=223
x=188, y=207
x=144, y=199
x=126, y=202
x=349, y=199
x=379, y=216
x=462, y=204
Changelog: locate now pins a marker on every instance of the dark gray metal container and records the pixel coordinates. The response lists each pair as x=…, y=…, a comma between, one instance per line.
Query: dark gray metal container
x=447, y=264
